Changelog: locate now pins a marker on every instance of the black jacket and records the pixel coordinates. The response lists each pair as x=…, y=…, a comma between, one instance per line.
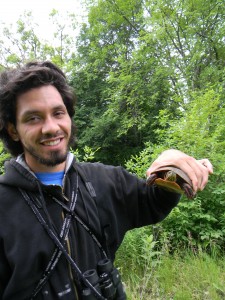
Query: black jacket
x=113, y=203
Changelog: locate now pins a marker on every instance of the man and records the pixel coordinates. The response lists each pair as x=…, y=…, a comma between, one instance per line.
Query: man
x=59, y=219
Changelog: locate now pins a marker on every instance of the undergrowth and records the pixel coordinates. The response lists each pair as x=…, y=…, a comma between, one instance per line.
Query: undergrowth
x=149, y=273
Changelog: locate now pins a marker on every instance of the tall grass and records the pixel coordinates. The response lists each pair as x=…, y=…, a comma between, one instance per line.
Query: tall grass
x=184, y=275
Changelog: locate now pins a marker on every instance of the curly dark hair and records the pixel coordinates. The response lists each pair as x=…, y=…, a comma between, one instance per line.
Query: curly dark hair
x=18, y=81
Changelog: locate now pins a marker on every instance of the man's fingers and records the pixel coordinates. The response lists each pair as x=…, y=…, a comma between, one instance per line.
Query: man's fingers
x=197, y=170
x=206, y=163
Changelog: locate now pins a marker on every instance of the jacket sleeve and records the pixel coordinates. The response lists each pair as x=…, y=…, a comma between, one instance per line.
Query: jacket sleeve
x=125, y=202
x=145, y=204
x=139, y=205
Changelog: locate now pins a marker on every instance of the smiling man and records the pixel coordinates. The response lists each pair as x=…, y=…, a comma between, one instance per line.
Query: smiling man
x=43, y=126
x=61, y=222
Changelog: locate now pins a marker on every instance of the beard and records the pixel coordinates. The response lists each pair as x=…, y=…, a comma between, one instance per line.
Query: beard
x=54, y=158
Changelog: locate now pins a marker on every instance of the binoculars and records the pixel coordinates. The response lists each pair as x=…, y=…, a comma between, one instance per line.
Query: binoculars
x=106, y=280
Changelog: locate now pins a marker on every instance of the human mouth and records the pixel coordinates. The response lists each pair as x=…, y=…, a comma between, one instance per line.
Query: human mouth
x=51, y=143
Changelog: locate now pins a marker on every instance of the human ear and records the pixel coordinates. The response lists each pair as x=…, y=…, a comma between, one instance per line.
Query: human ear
x=13, y=132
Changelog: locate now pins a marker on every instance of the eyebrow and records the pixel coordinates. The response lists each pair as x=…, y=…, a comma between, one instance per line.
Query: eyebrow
x=36, y=111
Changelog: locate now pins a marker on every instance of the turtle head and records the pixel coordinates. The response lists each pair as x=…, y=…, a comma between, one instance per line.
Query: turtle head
x=170, y=176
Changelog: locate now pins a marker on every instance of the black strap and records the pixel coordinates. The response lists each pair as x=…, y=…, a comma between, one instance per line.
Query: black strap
x=104, y=237
x=57, y=253
x=60, y=246
x=82, y=223
x=87, y=182
x=65, y=230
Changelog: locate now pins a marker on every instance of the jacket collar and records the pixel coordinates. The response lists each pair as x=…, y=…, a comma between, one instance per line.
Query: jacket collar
x=21, y=160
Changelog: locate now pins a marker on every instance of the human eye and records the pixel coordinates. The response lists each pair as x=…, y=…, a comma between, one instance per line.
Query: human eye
x=32, y=119
x=59, y=113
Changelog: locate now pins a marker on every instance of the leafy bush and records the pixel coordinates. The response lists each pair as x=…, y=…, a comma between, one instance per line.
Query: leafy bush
x=199, y=132
x=3, y=157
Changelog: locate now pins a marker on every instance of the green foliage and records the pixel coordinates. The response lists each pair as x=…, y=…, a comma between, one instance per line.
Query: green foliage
x=131, y=60
x=139, y=163
x=88, y=154
x=132, y=63
x=199, y=131
x=139, y=252
x=159, y=275
x=191, y=277
x=3, y=157
x=20, y=42
x=120, y=83
x=148, y=76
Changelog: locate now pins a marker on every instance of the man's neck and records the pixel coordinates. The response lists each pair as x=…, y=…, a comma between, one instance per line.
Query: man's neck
x=47, y=169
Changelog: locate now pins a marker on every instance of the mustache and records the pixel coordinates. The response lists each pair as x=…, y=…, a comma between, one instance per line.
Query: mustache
x=47, y=136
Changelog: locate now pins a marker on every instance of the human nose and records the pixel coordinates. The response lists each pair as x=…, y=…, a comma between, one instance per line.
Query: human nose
x=50, y=125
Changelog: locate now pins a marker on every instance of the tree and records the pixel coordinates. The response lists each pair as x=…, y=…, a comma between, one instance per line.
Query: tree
x=190, y=40
x=199, y=132
x=119, y=82
x=20, y=42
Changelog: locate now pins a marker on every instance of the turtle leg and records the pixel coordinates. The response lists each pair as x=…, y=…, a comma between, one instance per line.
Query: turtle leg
x=188, y=191
x=151, y=179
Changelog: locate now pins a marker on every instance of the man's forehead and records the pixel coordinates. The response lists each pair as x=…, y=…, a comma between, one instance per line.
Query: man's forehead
x=46, y=97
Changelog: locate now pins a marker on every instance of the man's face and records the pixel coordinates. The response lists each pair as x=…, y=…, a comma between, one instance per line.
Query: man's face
x=43, y=126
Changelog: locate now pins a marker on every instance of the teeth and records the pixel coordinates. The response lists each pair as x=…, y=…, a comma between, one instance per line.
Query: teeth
x=52, y=143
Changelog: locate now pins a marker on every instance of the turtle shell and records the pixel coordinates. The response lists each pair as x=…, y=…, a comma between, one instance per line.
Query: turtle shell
x=158, y=178
x=171, y=186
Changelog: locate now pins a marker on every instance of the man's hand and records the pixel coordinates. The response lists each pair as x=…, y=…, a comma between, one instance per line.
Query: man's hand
x=197, y=170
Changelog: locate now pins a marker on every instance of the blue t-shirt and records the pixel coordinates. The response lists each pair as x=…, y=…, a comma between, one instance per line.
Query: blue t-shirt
x=51, y=178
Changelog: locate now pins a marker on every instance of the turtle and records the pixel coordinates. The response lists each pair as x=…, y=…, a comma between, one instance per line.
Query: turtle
x=173, y=180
